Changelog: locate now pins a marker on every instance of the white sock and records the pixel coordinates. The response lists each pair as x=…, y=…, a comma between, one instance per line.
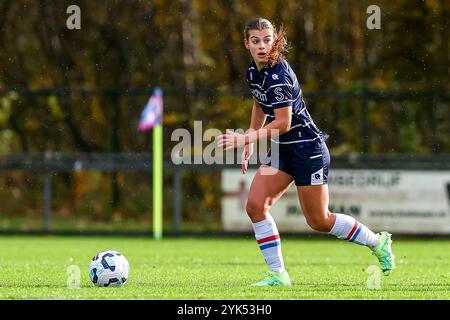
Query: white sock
x=266, y=234
x=348, y=228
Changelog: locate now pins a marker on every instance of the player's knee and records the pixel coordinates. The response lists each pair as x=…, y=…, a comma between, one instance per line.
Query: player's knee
x=318, y=224
x=255, y=208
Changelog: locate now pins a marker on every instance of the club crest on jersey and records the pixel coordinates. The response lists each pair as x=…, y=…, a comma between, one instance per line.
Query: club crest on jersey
x=259, y=95
x=275, y=77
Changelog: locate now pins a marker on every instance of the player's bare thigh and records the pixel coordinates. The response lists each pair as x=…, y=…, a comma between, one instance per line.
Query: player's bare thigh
x=268, y=185
x=314, y=202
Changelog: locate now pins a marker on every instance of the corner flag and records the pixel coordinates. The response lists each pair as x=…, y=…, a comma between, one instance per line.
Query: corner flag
x=152, y=114
x=152, y=118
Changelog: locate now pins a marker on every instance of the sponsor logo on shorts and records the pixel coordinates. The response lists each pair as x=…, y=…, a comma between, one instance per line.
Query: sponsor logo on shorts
x=317, y=177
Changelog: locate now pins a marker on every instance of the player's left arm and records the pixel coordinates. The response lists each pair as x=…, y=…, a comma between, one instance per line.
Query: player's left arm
x=280, y=125
x=281, y=102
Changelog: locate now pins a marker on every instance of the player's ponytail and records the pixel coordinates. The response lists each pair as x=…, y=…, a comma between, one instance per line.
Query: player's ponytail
x=279, y=47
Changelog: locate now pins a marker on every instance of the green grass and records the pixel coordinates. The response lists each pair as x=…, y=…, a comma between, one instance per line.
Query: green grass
x=186, y=268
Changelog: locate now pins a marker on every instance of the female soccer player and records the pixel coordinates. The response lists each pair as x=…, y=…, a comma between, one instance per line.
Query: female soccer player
x=303, y=156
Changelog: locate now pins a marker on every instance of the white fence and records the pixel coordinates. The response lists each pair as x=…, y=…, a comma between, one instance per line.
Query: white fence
x=400, y=201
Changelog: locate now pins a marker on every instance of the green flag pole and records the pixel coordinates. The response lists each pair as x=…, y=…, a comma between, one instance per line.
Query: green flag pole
x=152, y=118
x=157, y=181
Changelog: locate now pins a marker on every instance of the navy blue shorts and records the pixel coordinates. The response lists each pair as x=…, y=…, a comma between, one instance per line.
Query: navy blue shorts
x=306, y=162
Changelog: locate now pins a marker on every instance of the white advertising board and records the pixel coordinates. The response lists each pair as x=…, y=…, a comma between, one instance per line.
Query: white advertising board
x=400, y=201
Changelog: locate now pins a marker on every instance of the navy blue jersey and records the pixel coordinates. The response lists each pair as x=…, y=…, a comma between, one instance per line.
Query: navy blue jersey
x=277, y=87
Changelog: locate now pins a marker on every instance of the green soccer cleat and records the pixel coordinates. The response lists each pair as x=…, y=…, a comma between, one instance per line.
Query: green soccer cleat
x=273, y=278
x=384, y=253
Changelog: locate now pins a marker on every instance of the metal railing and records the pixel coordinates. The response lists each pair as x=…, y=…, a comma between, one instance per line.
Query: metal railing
x=50, y=163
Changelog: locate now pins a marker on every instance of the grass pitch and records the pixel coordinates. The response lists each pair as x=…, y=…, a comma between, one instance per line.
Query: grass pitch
x=221, y=268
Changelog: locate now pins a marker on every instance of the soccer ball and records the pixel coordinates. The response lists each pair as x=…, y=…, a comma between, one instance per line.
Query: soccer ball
x=109, y=269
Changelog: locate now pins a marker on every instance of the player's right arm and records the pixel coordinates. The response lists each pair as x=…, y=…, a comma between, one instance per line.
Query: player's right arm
x=258, y=116
x=257, y=121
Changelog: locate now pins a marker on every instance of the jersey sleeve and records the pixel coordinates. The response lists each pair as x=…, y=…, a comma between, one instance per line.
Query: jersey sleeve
x=279, y=91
